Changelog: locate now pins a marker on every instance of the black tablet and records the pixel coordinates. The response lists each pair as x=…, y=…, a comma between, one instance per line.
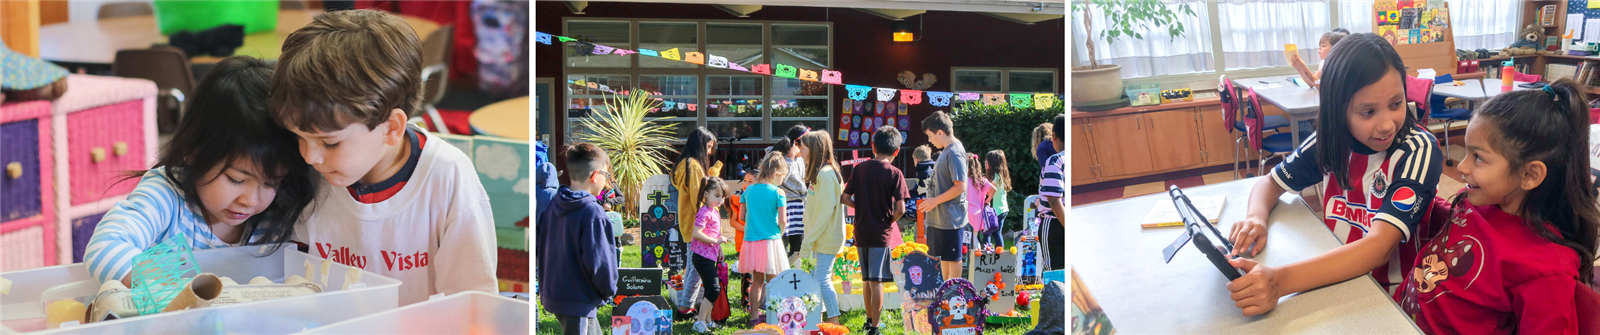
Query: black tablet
x=1206, y=237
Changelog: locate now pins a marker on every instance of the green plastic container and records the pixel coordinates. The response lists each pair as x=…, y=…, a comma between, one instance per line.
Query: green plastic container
x=256, y=16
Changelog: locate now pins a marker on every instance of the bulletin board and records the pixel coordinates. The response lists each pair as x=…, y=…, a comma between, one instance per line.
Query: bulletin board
x=1579, y=7
x=1420, y=32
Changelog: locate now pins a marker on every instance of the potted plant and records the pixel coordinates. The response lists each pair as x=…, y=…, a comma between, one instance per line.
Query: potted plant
x=633, y=144
x=1104, y=82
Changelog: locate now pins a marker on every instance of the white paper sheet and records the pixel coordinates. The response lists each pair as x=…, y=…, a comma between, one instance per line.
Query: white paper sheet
x=1577, y=30
x=1591, y=30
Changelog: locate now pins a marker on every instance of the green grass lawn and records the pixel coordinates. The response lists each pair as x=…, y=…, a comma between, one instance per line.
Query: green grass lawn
x=852, y=319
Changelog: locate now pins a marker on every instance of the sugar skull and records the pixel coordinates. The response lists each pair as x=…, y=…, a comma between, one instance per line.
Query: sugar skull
x=643, y=316
x=916, y=275
x=792, y=316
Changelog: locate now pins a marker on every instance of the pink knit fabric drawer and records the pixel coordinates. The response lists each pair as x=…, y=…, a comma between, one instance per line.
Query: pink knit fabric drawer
x=102, y=129
x=22, y=249
x=86, y=91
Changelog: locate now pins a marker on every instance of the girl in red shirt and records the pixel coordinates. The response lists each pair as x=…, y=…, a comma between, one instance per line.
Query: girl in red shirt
x=1520, y=238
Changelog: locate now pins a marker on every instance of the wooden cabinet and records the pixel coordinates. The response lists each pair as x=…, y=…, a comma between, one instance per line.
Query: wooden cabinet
x=1174, y=139
x=1216, y=139
x=1083, y=164
x=1125, y=143
x=1130, y=144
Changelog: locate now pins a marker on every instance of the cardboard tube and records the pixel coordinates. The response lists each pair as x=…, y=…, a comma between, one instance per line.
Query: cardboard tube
x=198, y=293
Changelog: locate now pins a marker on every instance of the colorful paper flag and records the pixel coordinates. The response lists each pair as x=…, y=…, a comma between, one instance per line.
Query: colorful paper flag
x=884, y=94
x=761, y=69
x=808, y=75
x=602, y=50
x=967, y=96
x=832, y=77
x=542, y=38
x=911, y=96
x=994, y=99
x=717, y=62
x=940, y=99
x=782, y=70
x=1043, y=101
x=671, y=54
x=858, y=92
x=648, y=52
x=565, y=39
x=623, y=52
x=695, y=57
x=1021, y=100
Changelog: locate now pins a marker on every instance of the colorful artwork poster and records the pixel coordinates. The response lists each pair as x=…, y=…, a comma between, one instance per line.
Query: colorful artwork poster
x=1087, y=316
x=658, y=218
x=644, y=314
x=1389, y=34
x=918, y=280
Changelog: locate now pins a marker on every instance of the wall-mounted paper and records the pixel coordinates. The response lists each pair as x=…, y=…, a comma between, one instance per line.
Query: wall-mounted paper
x=1573, y=26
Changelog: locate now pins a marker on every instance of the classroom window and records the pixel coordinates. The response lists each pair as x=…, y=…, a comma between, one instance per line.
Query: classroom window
x=729, y=103
x=1004, y=80
x=1158, y=54
x=1473, y=24
x=1250, y=40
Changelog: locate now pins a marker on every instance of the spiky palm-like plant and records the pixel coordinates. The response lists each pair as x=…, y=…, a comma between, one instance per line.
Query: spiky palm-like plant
x=634, y=145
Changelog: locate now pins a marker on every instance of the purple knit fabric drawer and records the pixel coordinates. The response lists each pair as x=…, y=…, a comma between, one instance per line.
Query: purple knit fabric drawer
x=82, y=230
x=102, y=129
x=19, y=197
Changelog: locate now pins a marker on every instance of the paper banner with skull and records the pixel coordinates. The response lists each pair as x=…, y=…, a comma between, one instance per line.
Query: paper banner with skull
x=994, y=99
x=672, y=54
x=648, y=52
x=794, y=302
x=858, y=92
x=1021, y=100
x=781, y=70
x=960, y=311
x=717, y=61
x=832, y=77
x=603, y=50
x=968, y=96
x=808, y=75
x=623, y=52
x=1042, y=101
x=761, y=69
x=542, y=38
x=694, y=57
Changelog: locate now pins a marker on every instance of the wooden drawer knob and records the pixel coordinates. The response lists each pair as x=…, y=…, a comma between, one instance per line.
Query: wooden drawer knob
x=14, y=169
x=97, y=154
x=120, y=148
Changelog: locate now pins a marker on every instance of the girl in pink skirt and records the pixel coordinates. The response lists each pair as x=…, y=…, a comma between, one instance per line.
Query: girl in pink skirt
x=763, y=254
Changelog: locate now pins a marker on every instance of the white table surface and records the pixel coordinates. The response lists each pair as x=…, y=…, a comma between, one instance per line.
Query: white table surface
x=1492, y=88
x=1121, y=265
x=1301, y=103
x=1472, y=89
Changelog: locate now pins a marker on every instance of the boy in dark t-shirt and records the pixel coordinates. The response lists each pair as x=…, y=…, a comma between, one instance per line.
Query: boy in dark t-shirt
x=877, y=191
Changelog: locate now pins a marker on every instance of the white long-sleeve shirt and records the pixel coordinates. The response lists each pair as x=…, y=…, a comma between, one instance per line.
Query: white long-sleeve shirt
x=436, y=235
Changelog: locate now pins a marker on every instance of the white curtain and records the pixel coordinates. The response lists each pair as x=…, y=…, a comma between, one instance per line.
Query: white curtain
x=1356, y=15
x=1254, y=32
x=1158, y=54
x=1480, y=24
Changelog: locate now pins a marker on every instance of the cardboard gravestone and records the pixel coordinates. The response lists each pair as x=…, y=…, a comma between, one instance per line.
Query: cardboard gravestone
x=794, y=302
x=639, y=281
x=1001, y=292
x=1027, y=261
x=918, y=280
x=657, y=217
x=648, y=315
x=960, y=311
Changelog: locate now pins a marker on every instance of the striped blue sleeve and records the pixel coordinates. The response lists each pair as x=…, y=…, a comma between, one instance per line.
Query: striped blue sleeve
x=132, y=225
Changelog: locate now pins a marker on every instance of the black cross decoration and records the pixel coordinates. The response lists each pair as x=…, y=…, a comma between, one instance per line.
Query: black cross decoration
x=794, y=281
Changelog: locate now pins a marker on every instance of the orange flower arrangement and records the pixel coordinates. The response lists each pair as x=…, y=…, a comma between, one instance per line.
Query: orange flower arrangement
x=763, y=326
x=832, y=329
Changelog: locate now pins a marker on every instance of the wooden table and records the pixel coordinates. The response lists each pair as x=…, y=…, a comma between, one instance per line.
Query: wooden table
x=508, y=119
x=1492, y=87
x=97, y=42
x=1122, y=265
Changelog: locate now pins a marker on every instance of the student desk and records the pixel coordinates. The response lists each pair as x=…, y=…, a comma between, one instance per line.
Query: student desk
x=1492, y=88
x=508, y=119
x=1471, y=89
x=1301, y=103
x=1121, y=264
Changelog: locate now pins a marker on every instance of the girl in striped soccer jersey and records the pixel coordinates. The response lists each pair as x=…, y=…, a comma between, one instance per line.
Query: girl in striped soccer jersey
x=230, y=176
x=1374, y=167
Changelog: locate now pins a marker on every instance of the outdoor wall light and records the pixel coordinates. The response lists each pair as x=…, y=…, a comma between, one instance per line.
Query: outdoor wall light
x=902, y=31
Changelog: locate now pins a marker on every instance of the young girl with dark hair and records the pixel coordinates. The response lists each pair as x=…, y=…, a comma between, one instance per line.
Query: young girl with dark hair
x=1520, y=239
x=230, y=176
x=1377, y=175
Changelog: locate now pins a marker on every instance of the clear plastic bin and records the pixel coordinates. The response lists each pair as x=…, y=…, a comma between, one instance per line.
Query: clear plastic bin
x=469, y=312
x=23, y=309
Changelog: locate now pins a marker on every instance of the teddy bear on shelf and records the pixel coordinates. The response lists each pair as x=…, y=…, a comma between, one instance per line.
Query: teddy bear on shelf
x=1527, y=43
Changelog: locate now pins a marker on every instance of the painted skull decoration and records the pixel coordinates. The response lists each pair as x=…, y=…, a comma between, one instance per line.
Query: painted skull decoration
x=792, y=316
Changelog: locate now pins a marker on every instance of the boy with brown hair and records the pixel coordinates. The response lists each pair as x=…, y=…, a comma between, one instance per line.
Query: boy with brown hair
x=877, y=190
x=396, y=194
x=946, y=205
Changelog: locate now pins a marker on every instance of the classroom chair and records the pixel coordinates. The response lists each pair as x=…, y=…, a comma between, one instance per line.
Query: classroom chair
x=1448, y=115
x=170, y=69
x=1231, y=107
x=435, y=72
x=1275, y=145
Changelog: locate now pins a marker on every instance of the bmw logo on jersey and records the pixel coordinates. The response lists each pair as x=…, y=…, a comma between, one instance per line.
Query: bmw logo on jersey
x=1355, y=215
